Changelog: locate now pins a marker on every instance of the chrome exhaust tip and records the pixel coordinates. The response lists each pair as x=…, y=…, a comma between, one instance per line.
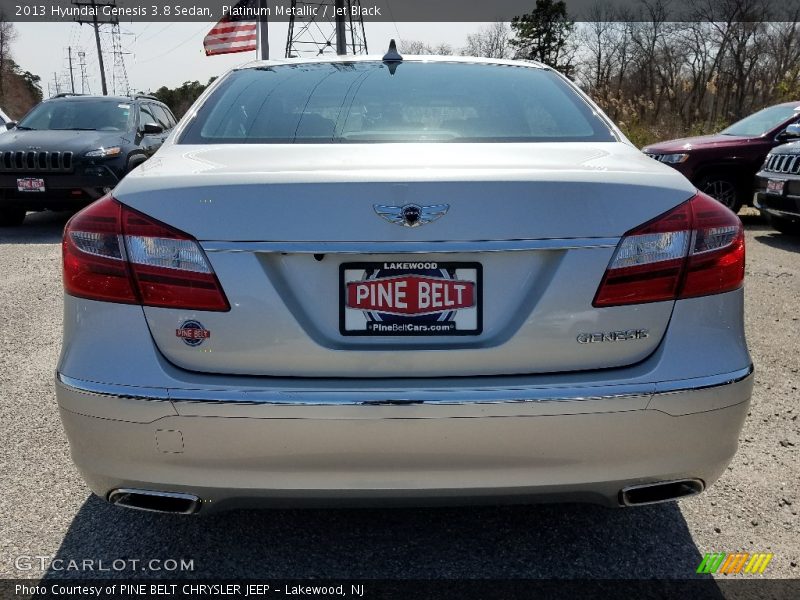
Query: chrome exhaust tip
x=175, y=503
x=659, y=491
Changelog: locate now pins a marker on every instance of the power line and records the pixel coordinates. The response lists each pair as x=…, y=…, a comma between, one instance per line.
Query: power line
x=167, y=26
x=96, y=23
x=146, y=27
x=171, y=50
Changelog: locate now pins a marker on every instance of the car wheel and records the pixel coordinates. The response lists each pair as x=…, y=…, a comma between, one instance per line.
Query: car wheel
x=12, y=217
x=722, y=188
x=787, y=226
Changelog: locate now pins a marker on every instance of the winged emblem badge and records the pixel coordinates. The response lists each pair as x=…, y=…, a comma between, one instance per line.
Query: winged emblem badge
x=411, y=215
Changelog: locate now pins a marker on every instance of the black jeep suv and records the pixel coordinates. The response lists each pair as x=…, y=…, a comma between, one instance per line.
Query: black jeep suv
x=778, y=185
x=71, y=149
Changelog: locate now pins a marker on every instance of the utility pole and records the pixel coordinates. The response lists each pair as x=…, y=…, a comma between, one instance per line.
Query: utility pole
x=84, y=77
x=71, y=76
x=55, y=82
x=96, y=23
x=341, y=38
x=263, y=30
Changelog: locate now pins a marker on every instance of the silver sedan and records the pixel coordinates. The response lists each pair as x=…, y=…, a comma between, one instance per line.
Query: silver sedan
x=377, y=279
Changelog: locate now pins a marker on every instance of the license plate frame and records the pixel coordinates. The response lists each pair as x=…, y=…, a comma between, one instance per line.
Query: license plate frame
x=776, y=186
x=28, y=185
x=463, y=321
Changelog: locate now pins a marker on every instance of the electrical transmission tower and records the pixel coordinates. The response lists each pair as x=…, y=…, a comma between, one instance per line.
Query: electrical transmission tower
x=318, y=34
x=119, y=73
x=54, y=88
x=84, y=77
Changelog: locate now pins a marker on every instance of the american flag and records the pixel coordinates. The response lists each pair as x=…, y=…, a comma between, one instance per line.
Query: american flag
x=232, y=33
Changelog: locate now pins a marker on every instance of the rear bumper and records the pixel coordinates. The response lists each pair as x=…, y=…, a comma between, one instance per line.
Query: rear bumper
x=783, y=207
x=420, y=446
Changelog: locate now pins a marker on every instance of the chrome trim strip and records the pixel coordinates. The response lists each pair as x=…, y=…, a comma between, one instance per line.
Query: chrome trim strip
x=703, y=383
x=408, y=247
x=127, y=392
x=405, y=397
x=451, y=396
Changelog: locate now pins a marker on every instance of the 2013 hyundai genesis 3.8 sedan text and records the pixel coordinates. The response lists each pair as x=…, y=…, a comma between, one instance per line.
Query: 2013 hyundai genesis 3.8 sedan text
x=410, y=279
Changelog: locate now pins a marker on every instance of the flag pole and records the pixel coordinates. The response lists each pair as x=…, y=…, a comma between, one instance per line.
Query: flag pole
x=263, y=31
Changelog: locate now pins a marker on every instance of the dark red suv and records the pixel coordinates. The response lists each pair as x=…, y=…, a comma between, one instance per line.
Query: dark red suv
x=724, y=164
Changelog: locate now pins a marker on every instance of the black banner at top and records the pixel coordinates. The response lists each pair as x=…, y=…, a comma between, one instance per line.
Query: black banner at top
x=395, y=10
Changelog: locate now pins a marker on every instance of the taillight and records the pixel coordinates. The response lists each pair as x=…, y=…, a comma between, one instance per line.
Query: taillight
x=696, y=249
x=116, y=254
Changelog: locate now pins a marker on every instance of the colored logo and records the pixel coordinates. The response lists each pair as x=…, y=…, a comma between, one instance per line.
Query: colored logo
x=410, y=298
x=410, y=295
x=731, y=564
x=192, y=333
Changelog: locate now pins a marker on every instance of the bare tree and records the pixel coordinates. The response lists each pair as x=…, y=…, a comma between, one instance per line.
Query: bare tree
x=419, y=47
x=7, y=36
x=491, y=41
x=443, y=49
x=604, y=42
x=413, y=47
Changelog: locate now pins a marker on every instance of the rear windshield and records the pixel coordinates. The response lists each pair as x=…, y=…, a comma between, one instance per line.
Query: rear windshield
x=101, y=115
x=405, y=102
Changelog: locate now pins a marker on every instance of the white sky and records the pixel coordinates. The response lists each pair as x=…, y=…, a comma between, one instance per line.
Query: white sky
x=171, y=53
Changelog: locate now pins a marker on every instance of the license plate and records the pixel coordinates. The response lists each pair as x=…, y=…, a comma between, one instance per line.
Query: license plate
x=775, y=186
x=410, y=298
x=30, y=184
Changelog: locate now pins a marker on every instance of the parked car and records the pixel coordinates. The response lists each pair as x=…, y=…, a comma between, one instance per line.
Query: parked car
x=723, y=165
x=419, y=279
x=70, y=150
x=778, y=185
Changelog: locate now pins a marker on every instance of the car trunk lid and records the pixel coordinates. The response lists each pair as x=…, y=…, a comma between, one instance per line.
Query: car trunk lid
x=529, y=228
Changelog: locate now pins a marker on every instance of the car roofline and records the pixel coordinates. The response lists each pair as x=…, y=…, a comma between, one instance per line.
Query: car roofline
x=122, y=99
x=333, y=59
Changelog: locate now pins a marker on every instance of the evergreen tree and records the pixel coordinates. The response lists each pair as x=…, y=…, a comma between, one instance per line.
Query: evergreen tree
x=543, y=35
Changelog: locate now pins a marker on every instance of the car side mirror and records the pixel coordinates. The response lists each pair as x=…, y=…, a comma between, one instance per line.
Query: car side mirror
x=152, y=129
x=11, y=124
x=792, y=132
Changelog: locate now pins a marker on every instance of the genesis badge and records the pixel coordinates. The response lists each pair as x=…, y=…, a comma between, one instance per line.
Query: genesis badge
x=411, y=215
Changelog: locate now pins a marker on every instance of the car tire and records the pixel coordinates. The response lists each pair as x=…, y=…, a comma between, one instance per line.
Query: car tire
x=787, y=226
x=12, y=217
x=724, y=188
